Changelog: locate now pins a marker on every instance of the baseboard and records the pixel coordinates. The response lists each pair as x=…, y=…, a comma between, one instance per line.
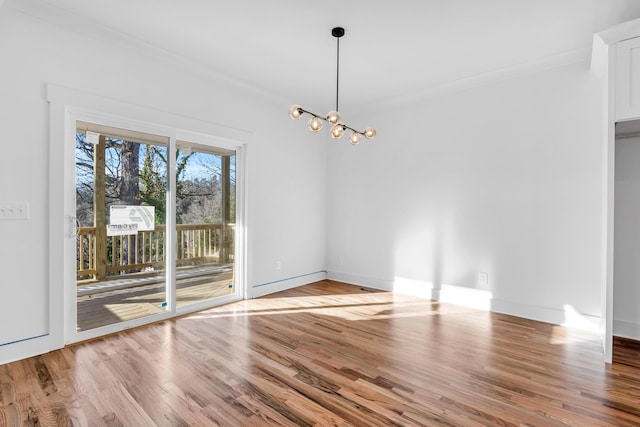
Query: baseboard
x=267, y=288
x=567, y=316
x=475, y=298
x=27, y=347
x=468, y=297
x=367, y=282
x=625, y=329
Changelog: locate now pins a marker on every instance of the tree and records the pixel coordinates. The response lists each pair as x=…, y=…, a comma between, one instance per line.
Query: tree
x=130, y=182
x=153, y=182
x=136, y=174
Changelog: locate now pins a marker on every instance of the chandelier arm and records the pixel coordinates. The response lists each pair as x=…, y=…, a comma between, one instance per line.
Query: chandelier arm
x=302, y=110
x=352, y=129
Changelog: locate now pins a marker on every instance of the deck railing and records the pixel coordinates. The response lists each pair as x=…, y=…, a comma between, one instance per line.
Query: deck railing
x=196, y=243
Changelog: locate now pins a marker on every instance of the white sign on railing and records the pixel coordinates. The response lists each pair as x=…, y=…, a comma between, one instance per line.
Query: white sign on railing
x=122, y=229
x=93, y=137
x=141, y=216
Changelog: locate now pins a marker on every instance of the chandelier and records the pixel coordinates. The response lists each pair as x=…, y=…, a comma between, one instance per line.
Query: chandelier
x=338, y=128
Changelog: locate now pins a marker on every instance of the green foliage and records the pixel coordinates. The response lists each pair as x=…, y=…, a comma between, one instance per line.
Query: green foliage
x=198, y=182
x=153, y=178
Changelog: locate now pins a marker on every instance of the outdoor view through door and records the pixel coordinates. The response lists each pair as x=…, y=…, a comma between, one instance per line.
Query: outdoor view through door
x=121, y=211
x=205, y=218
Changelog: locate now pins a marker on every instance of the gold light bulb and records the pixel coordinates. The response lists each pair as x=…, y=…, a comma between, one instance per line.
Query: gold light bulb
x=333, y=117
x=369, y=132
x=295, y=112
x=315, y=124
x=337, y=130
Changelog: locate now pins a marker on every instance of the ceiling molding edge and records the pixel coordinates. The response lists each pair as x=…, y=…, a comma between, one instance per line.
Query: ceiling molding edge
x=603, y=39
x=491, y=77
x=68, y=21
x=620, y=32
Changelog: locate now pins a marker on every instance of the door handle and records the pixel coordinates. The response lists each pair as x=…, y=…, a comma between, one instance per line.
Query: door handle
x=74, y=227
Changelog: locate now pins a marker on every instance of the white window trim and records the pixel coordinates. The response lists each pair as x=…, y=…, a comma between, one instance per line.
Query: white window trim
x=68, y=106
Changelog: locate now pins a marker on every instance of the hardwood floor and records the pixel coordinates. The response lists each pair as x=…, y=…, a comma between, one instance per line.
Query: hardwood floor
x=113, y=306
x=626, y=351
x=328, y=354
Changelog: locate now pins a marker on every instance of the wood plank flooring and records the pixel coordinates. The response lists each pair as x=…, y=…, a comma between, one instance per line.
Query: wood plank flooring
x=328, y=354
x=109, y=307
x=626, y=351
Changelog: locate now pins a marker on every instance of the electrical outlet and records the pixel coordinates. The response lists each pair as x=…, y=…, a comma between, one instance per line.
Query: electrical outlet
x=14, y=210
x=278, y=265
x=483, y=278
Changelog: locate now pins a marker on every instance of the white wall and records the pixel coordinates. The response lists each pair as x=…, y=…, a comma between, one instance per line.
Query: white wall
x=503, y=179
x=626, y=293
x=286, y=177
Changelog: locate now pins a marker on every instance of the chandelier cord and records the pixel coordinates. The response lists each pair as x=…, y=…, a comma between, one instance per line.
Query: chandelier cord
x=337, y=71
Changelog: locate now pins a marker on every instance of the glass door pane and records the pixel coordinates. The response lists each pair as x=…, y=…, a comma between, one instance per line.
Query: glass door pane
x=205, y=222
x=121, y=187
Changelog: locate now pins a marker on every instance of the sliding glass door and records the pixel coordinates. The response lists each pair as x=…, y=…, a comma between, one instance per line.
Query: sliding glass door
x=205, y=222
x=121, y=235
x=155, y=227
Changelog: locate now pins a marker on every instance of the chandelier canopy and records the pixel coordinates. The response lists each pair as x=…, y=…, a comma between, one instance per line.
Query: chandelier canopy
x=338, y=128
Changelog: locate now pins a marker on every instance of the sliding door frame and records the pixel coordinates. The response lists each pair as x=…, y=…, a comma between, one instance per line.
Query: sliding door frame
x=69, y=106
x=76, y=115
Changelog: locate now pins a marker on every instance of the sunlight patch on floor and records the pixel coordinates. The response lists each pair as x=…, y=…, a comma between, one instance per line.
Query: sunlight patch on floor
x=352, y=307
x=576, y=328
x=574, y=319
x=479, y=299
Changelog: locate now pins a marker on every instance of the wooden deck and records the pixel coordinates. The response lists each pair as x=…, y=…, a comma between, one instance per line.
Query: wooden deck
x=329, y=354
x=107, y=302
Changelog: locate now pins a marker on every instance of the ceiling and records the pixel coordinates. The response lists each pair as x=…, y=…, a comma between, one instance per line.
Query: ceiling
x=392, y=50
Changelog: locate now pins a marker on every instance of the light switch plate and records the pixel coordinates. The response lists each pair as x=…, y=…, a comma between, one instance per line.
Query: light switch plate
x=14, y=210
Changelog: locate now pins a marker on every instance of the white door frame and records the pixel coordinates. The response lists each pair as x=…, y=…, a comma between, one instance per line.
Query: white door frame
x=603, y=64
x=68, y=106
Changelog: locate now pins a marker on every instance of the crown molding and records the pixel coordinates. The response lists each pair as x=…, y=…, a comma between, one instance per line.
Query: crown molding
x=620, y=32
x=58, y=17
x=602, y=40
x=491, y=77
